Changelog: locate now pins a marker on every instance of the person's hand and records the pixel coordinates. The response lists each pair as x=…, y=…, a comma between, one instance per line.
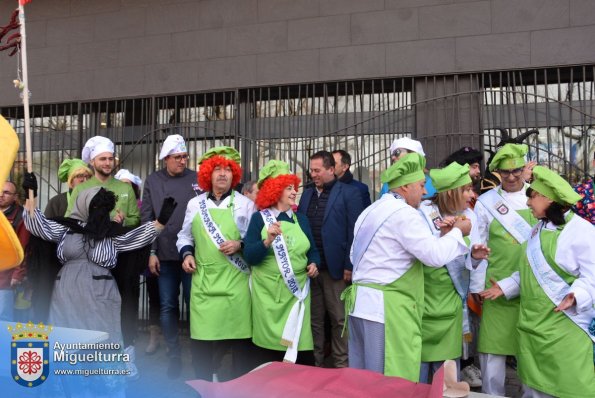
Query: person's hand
x=167, y=209
x=566, y=303
x=119, y=217
x=14, y=282
x=446, y=225
x=30, y=183
x=476, y=298
x=154, y=265
x=273, y=231
x=189, y=265
x=312, y=270
x=480, y=251
x=528, y=171
x=464, y=224
x=230, y=247
x=347, y=276
x=493, y=292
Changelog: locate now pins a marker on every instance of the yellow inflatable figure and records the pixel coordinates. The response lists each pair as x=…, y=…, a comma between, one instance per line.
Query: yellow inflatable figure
x=11, y=252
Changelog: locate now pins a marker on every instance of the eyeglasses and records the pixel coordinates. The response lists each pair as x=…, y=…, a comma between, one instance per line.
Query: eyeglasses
x=508, y=173
x=179, y=158
x=81, y=176
x=8, y=193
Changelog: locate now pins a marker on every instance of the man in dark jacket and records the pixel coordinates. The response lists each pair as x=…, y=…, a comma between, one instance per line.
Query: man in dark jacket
x=342, y=164
x=332, y=213
x=179, y=182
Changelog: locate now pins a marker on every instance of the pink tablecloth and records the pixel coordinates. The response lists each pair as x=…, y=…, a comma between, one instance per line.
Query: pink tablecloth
x=288, y=380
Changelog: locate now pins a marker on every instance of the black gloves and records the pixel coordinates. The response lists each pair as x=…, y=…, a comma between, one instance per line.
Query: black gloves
x=30, y=183
x=167, y=209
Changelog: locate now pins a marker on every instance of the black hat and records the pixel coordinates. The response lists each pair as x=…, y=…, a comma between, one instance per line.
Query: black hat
x=464, y=155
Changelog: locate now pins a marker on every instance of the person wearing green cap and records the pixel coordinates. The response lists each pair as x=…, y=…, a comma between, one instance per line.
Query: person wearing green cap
x=503, y=223
x=385, y=302
x=73, y=172
x=211, y=243
x=283, y=255
x=556, y=282
x=445, y=318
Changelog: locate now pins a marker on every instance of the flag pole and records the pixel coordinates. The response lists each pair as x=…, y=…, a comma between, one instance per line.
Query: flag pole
x=25, y=94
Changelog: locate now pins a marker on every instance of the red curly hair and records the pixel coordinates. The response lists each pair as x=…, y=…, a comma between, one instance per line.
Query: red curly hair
x=205, y=172
x=271, y=189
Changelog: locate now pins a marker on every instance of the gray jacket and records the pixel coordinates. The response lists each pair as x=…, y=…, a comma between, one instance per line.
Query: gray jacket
x=158, y=186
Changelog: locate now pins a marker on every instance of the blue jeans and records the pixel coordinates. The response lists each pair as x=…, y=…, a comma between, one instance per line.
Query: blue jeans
x=170, y=277
x=6, y=305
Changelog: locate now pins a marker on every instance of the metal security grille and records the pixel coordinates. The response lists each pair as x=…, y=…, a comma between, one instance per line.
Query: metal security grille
x=362, y=117
x=556, y=102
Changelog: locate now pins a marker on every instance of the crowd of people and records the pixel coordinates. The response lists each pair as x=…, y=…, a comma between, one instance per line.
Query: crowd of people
x=433, y=270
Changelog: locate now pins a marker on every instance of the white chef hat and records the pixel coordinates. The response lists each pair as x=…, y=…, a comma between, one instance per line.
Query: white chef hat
x=96, y=145
x=124, y=174
x=172, y=144
x=407, y=143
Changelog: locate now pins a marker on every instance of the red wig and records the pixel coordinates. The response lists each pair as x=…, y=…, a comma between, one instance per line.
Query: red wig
x=205, y=172
x=272, y=188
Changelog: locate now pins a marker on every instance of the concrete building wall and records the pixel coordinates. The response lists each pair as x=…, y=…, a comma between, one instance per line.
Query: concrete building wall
x=89, y=49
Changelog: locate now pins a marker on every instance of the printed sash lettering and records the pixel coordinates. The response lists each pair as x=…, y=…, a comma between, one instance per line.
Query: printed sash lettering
x=217, y=236
x=293, y=325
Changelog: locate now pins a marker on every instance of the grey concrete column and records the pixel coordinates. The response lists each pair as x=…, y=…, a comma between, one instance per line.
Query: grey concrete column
x=447, y=114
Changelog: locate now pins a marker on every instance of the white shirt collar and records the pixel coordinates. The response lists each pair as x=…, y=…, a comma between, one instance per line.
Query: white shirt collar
x=276, y=212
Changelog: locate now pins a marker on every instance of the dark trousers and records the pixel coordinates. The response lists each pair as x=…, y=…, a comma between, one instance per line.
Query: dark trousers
x=129, y=288
x=263, y=355
x=205, y=363
x=326, y=298
x=152, y=283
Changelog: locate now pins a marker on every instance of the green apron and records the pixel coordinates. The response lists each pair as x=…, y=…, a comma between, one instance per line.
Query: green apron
x=555, y=355
x=271, y=300
x=497, y=332
x=220, y=306
x=442, y=322
x=403, y=310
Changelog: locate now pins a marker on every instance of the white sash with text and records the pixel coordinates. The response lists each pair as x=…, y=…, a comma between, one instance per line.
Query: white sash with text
x=217, y=236
x=552, y=284
x=503, y=212
x=293, y=325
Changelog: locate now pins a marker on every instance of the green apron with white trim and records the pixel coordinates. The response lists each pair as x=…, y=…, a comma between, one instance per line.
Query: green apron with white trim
x=271, y=299
x=403, y=310
x=442, y=322
x=220, y=307
x=497, y=332
x=555, y=355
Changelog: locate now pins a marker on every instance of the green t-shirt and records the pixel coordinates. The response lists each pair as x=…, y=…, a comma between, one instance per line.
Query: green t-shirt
x=126, y=201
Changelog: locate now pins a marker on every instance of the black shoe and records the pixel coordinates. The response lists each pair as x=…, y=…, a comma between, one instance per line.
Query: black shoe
x=174, y=368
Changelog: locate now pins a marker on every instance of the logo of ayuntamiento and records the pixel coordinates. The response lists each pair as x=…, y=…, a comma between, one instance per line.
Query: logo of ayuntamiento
x=29, y=353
